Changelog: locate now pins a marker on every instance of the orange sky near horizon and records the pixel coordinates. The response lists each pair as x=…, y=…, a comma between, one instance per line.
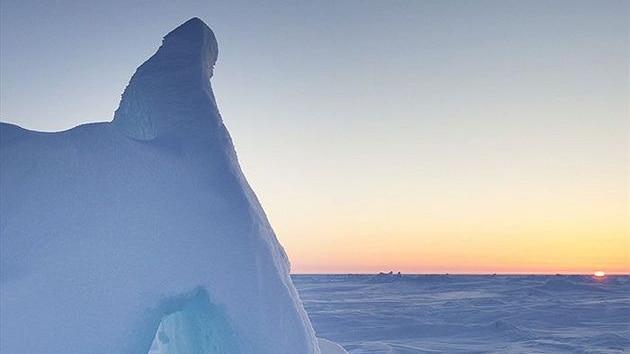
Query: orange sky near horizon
x=537, y=256
x=481, y=224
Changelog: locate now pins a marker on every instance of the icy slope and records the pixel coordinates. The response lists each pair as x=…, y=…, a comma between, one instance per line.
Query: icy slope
x=106, y=229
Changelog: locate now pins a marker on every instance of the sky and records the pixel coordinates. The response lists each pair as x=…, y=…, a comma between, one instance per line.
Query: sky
x=414, y=136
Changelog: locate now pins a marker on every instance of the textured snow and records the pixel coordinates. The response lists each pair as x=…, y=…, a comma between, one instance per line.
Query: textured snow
x=116, y=234
x=415, y=314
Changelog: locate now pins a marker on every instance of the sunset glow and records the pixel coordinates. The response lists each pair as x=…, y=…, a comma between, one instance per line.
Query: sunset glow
x=452, y=235
x=422, y=137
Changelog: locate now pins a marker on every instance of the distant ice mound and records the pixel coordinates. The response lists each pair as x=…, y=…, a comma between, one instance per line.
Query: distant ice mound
x=381, y=277
x=142, y=234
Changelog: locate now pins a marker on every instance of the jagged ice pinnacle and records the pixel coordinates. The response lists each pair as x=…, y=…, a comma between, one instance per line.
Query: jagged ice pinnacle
x=143, y=234
x=170, y=93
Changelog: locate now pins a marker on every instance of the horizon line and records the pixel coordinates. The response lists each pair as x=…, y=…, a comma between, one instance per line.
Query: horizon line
x=448, y=273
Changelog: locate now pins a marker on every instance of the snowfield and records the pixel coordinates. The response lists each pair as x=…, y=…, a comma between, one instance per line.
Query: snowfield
x=469, y=314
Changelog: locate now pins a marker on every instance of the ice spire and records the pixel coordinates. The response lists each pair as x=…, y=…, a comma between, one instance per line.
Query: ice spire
x=170, y=93
x=115, y=238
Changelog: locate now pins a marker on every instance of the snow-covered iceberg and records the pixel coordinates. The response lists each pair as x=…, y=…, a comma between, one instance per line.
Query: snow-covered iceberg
x=116, y=236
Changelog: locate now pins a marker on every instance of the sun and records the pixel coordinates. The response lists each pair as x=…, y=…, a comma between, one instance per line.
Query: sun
x=599, y=274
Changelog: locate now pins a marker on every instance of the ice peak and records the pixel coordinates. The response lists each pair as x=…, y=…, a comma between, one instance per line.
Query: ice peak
x=194, y=28
x=170, y=94
x=195, y=35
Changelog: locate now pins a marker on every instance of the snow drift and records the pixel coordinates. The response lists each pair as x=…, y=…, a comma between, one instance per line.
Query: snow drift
x=471, y=314
x=116, y=234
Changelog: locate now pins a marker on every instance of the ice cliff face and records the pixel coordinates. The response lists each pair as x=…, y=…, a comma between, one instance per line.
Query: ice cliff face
x=113, y=232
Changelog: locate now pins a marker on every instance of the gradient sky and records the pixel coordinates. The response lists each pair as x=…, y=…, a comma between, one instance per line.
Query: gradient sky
x=420, y=136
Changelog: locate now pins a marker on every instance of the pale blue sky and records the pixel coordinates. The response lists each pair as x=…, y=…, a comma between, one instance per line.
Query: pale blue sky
x=342, y=111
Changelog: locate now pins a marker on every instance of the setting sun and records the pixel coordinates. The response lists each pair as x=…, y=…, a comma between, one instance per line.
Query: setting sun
x=599, y=274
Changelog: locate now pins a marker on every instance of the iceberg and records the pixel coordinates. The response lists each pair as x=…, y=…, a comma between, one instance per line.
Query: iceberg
x=142, y=234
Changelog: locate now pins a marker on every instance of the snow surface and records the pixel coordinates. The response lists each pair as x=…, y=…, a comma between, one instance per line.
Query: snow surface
x=415, y=314
x=116, y=234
